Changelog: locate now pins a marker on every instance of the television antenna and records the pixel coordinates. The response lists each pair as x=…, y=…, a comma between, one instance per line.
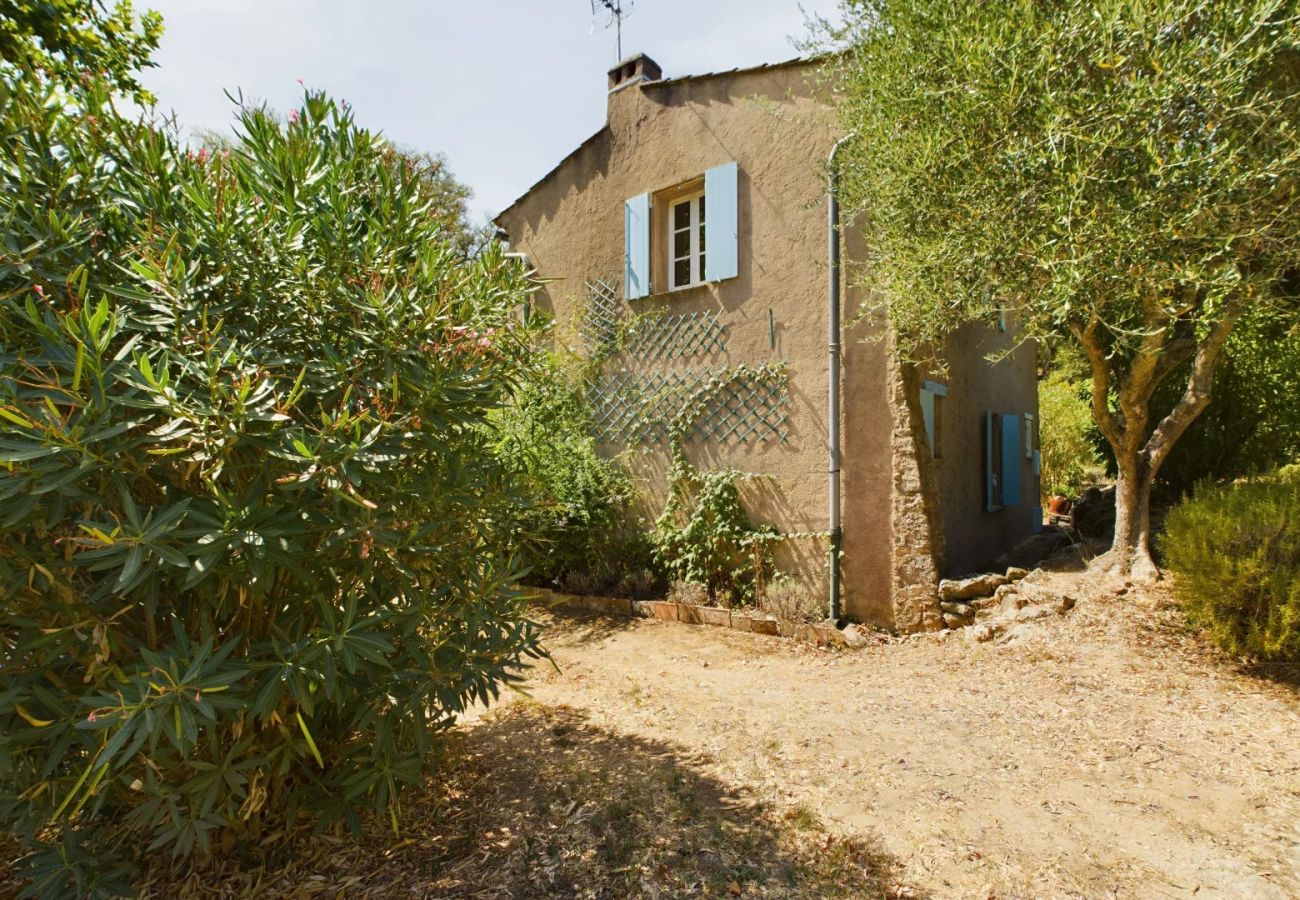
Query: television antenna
x=617, y=11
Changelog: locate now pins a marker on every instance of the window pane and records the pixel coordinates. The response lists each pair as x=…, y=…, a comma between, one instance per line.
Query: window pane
x=682, y=215
x=682, y=272
x=681, y=244
x=702, y=244
x=701, y=210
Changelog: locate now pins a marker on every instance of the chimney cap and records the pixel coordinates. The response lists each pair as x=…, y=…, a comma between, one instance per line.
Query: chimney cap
x=637, y=67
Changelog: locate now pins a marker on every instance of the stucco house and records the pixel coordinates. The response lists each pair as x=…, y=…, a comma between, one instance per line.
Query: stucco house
x=703, y=200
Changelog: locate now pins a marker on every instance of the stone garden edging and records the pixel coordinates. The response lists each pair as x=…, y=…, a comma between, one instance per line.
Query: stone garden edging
x=823, y=634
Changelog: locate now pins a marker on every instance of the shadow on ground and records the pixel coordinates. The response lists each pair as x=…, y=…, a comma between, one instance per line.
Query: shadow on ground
x=541, y=803
x=578, y=626
x=560, y=807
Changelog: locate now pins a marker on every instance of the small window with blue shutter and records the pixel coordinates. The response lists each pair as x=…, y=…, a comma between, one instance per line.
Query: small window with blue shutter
x=1002, y=460
x=932, y=399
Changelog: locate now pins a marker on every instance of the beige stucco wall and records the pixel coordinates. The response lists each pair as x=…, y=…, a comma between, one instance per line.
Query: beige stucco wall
x=973, y=536
x=775, y=124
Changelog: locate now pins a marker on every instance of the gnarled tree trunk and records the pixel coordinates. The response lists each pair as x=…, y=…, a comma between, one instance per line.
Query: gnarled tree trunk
x=1139, y=450
x=1130, y=552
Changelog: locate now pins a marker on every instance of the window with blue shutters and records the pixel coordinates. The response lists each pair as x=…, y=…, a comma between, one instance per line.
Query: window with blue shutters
x=1002, y=460
x=683, y=236
x=932, y=399
x=687, y=233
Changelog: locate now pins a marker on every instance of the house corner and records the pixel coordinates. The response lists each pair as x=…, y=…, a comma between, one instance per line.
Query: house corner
x=916, y=533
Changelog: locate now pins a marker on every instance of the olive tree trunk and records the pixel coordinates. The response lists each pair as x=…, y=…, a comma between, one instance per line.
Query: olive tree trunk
x=1121, y=407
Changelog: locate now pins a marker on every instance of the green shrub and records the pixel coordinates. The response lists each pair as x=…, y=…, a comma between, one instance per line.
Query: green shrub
x=1236, y=552
x=256, y=551
x=1066, y=435
x=705, y=536
x=584, y=535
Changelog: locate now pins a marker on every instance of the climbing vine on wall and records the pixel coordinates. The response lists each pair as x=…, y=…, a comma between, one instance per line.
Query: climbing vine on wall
x=704, y=534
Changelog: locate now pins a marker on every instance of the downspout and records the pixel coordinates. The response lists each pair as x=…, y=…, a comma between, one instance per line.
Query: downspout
x=833, y=376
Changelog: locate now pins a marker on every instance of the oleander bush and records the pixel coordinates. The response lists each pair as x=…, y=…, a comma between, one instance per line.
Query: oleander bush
x=1235, y=549
x=256, y=550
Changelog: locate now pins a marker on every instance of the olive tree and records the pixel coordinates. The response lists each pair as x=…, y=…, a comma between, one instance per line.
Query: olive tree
x=1121, y=173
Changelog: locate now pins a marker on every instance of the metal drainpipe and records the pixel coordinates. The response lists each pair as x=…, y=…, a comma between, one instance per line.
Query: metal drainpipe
x=833, y=374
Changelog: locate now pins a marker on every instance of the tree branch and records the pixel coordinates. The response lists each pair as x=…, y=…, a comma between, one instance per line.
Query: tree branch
x=1199, y=384
x=1111, y=427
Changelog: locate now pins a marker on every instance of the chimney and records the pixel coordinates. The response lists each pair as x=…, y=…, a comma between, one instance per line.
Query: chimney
x=633, y=69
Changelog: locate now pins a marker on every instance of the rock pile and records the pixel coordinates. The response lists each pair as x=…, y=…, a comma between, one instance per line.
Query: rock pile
x=995, y=603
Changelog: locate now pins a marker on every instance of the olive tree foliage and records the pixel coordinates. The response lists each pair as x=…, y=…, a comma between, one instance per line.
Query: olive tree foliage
x=256, y=550
x=1122, y=172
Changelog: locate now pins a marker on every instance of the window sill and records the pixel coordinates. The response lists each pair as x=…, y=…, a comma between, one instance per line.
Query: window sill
x=672, y=292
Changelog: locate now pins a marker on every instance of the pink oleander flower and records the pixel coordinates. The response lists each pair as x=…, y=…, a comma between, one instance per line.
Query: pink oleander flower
x=293, y=116
x=92, y=717
x=40, y=291
x=203, y=154
x=299, y=80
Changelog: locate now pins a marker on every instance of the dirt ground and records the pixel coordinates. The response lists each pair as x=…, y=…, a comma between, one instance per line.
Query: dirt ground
x=1103, y=753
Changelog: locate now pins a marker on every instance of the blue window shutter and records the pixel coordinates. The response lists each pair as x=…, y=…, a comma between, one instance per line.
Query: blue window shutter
x=990, y=464
x=1010, y=460
x=927, y=412
x=636, y=249
x=721, y=259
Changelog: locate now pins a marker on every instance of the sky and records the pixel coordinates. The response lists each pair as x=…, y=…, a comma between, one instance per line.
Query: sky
x=504, y=89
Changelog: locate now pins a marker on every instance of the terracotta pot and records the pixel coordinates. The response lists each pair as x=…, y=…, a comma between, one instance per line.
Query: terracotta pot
x=1059, y=506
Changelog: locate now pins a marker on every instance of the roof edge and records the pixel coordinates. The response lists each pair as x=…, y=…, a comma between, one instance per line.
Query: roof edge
x=496, y=220
x=814, y=59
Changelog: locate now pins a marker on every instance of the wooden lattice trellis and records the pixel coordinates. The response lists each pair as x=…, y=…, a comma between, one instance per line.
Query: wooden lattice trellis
x=631, y=404
x=602, y=316
x=736, y=405
x=677, y=336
